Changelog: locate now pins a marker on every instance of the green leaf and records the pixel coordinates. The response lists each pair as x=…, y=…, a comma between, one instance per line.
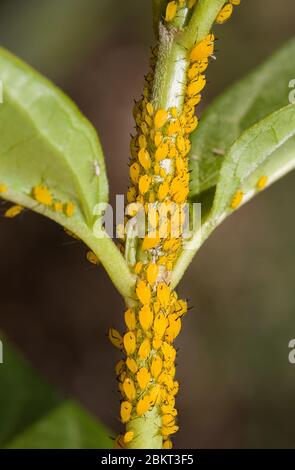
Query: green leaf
x=45, y=140
x=24, y=396
x=266, y=149
x=66, y=427
x=34, y=415
x=262, y=92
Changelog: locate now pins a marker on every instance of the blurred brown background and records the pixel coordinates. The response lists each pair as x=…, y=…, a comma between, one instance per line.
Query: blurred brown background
x=237, y=387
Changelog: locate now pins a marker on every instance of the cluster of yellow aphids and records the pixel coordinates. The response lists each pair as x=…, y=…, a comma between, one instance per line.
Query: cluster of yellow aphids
x=146, y=375
x=42, y=195
x=159, y=177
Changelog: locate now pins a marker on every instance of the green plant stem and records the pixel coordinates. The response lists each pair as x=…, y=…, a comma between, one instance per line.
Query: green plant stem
x=204, y=15
x=169, y=86
x=146, y=431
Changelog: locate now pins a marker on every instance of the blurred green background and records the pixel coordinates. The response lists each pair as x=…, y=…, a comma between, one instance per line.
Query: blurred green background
x=237, y=386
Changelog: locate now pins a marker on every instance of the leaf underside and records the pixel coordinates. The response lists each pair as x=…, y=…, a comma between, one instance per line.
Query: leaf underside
x=259, y=94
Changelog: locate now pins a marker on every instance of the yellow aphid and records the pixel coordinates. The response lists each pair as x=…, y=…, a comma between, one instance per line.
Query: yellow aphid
x=69, y=209
x=196, y=86
x=143, y=292
x=144, y=349
x=167, y=444
x=175, y=388
x=179, y=164
x=3, y=188
x=169, y=352
x=191, y=126
x=169, y=409
x=168, y=420
x=157, y=342
x=174, y=328
x=235, y=2
x=42, y=194
x=262, y=182
x=138, y=267
x=180, y=307
x=203, y=49
x=158, y=138
x=173, y=128
x=162, y=152
x=131, y=194
x=172, y=371
x=142, y=141
x=171, y=11
x=143, y=405
x=155, y=394
x=57, y=206
x=163, y=294
x=164, y=394
x=163, y=191
x=160, y=325
x=128, y=436
x=144, y=159
x=143, y=377
x=13, y=211
x=129, y=389
x=168, y=430
x=125, y=411
x=129, y=341
x=131, y=364
x=237, y=199
x=151, y=240
x=120, y=367
x=134, y=172
x=152, y=273
x=225, y=13
x=144, y=184
x=92, y=258
x=115, y=338
x=170, y=400
x=174, y=112
x=160, y=118
x=197, y=68
x=146, y=317
x=130, y=319
x=150, y=109
x=194, y=100
x=166, y=380
x=156, y=366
